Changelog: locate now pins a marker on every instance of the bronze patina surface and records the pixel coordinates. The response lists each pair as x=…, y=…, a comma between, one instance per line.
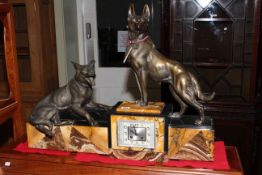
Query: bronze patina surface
x=76, y=96
x=146, y=61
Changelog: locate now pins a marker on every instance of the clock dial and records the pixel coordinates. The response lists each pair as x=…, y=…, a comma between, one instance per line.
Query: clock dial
x=138, y=134
x=135, y=133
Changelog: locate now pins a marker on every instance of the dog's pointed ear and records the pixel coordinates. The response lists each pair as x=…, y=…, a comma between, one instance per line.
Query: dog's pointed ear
x=131, y=11
x=76, y=65
x=92, y=63
x=146, y=12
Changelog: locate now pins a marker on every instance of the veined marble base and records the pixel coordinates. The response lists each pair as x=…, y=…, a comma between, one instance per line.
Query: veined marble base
x=174, y=139
x=71, y=138
x=187, y=141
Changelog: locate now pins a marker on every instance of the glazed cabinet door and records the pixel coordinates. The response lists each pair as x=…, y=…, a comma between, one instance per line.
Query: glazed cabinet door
x=217, y=41
x=28, y=40
x=36, y=49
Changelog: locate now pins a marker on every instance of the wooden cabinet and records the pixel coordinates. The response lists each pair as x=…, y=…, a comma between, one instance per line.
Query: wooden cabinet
x=10, y=99
x=217, y=41
x=36, y=49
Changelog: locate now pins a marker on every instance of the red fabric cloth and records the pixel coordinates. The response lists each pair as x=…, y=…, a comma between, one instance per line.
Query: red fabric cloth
x=23, y=147
x=220, y=160
x=85, y=157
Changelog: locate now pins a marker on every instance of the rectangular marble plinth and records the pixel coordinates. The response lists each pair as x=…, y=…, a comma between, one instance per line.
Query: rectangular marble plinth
x=71, y=138
x=139, y=128
x=133, y=107
x=187, y=141
x=85, y=139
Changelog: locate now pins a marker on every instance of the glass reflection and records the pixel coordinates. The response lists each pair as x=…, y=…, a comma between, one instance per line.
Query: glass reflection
x=203, y=3
x=213, y=36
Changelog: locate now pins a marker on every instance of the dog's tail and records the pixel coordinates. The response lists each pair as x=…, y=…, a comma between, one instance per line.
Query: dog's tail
x=198, y=91
x=206, y=97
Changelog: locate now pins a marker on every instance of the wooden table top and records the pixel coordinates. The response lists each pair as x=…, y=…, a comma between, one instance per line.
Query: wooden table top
x=29, y=164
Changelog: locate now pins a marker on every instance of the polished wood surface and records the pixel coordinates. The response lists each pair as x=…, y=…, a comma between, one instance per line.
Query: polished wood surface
x=25, y=164
x=10, y=108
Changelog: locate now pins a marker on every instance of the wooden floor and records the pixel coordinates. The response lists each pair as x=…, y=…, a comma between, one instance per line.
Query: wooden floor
x=29, y=164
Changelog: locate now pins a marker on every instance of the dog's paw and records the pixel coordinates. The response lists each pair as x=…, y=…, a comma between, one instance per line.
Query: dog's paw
x=141, y=103
x=63, y=123
x=67, y=122
x=49, y=134
x=105, y=107
x=93, y=122
x=174, y=115
x=198, y=122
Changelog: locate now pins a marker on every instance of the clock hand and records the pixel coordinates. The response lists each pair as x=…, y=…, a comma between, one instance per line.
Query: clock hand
x=133, y=130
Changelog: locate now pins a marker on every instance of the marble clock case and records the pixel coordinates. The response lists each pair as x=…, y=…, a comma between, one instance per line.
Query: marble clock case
x=132, y=132
x=151, y=119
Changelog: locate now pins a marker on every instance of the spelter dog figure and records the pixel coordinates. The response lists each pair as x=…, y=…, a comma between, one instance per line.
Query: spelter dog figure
x=145, y=60
x=73, y=96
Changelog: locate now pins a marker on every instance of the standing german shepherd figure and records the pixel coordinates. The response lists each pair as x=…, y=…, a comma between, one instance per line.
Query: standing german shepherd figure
x=74, y=96
x=145, y=60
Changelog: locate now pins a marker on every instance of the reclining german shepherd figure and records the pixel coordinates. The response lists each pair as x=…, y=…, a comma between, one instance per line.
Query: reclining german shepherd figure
x=145, y=60
x=76, y=96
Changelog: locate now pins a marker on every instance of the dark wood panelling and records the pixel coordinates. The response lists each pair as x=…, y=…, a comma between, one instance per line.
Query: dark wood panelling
x=236, y=119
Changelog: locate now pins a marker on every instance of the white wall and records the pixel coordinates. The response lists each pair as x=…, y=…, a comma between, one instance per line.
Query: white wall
x=112, y=84
x=68, y=50
x=60, y=42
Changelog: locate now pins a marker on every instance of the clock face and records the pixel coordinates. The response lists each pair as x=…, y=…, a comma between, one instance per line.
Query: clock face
x=135, y=133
